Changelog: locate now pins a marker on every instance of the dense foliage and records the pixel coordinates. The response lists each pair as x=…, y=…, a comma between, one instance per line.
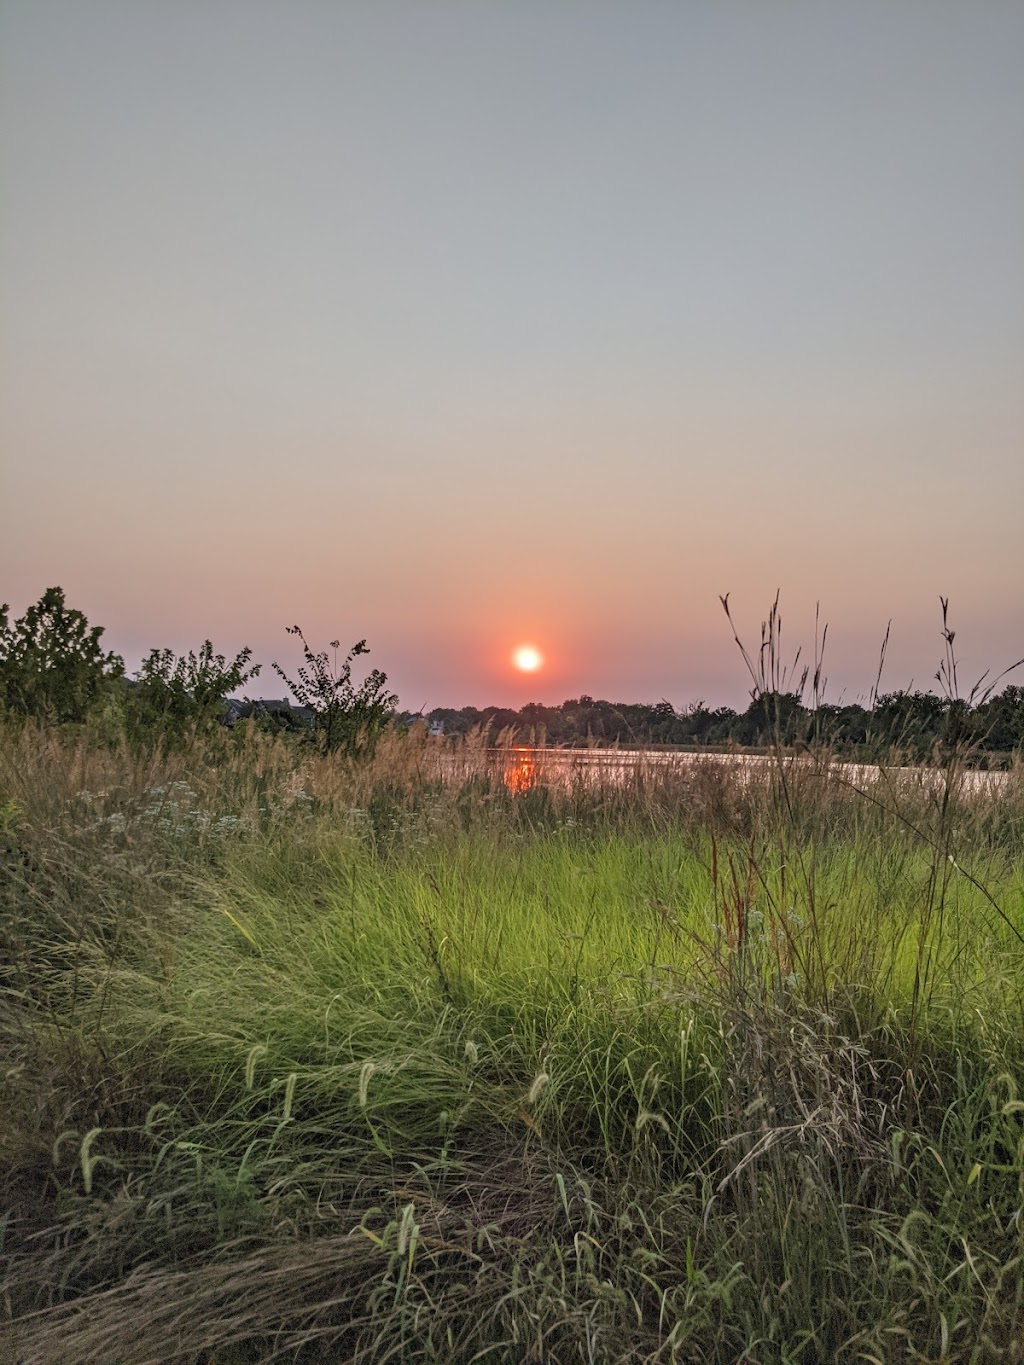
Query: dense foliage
x=320, y=1060
x=52, y=668
x=913, y=722
x=174, y=693
x=51, y=662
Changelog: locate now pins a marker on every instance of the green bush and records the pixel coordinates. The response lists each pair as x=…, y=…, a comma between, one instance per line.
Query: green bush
x=348, y=716
x=52, y=665
x=176, y=693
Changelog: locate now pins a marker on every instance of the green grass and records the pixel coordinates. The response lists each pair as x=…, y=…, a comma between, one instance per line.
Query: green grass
x=320, y=1062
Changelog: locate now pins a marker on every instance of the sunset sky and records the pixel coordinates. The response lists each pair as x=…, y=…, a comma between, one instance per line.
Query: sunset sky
x=460, y=326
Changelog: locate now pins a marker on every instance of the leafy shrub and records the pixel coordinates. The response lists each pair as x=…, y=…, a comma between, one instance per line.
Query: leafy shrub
x=186, y=691
x=347, y=716
x=51, y=663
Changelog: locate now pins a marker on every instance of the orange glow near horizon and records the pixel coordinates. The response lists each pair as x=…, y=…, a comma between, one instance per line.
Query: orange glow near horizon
x=521, y=773
x=527, y=658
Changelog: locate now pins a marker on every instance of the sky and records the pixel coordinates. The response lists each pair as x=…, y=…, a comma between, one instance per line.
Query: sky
x=463, y=325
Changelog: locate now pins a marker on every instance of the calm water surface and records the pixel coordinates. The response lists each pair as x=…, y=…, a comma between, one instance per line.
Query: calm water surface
x=523, y=767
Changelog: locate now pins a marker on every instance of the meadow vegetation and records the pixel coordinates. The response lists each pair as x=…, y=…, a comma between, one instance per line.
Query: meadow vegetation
x=316, y=1059
x=324, y=1055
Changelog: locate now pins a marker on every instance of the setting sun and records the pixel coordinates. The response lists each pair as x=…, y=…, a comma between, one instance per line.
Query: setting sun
x=527, y=659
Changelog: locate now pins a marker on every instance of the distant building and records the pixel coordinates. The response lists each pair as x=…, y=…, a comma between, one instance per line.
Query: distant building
x=436, y=729
x=234, y=710
x=237, y=708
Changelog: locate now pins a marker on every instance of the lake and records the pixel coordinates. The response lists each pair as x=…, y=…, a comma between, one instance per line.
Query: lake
x=523, y=767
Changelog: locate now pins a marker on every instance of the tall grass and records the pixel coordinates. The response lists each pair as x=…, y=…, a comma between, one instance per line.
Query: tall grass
x=317, y=1060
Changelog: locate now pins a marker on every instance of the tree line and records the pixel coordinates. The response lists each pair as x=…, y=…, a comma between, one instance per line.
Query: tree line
x=911, y=722
x=53, y=666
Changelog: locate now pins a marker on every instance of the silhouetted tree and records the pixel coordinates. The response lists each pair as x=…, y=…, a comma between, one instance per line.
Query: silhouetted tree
x=346, y=715
x=177, y=692
x=51, y=662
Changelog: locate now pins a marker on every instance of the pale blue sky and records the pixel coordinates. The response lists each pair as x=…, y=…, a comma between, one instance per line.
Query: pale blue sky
x=455, y=324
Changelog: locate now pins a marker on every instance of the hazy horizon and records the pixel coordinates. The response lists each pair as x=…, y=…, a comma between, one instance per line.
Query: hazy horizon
x=459, y=325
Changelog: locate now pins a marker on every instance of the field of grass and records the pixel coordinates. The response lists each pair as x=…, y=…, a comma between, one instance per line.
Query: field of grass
x=310, y=1060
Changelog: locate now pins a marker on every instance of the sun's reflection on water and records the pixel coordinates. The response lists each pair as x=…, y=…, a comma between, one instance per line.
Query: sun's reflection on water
x=521, y=771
